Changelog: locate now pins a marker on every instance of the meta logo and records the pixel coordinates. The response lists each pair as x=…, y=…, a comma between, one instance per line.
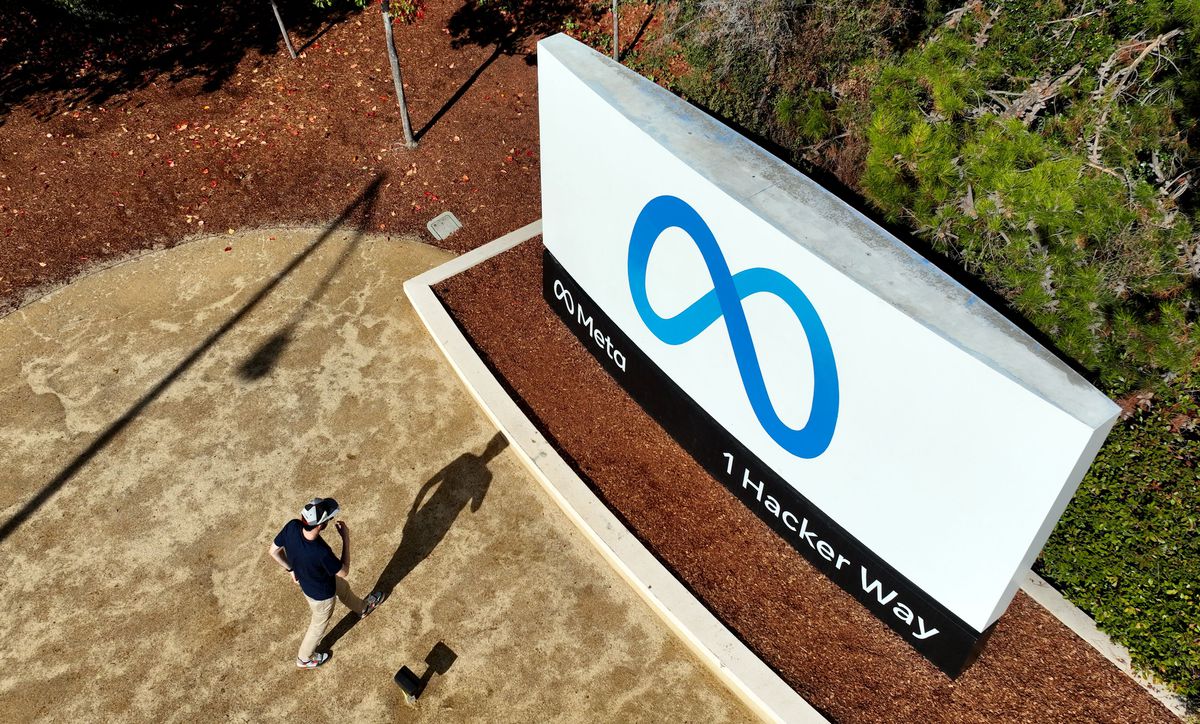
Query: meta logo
x=725, y=300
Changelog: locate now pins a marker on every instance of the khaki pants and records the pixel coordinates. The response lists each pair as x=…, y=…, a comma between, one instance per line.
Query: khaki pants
x=322, y=611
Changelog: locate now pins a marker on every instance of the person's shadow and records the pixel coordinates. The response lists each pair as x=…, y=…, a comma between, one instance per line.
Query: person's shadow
x=463, y=481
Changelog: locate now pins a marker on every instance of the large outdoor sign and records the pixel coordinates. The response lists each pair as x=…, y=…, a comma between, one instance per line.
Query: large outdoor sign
x=901, y=434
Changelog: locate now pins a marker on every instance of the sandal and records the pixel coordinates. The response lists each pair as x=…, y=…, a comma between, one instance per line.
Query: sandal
x=371, y=602
x=314, y=662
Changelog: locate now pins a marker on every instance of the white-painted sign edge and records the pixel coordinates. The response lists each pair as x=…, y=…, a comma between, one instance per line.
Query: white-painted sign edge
x=1052, y=516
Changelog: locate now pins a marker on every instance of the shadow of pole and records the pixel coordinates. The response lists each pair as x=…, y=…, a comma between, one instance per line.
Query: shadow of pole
x=637, y=37
x=463, y=481
x=363, y=204
x=458, y=94
x=308, y=43
x=260, y=363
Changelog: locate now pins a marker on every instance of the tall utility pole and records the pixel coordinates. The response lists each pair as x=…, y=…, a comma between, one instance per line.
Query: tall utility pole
x=616, y=45
x=386, y=7
x=283, y=30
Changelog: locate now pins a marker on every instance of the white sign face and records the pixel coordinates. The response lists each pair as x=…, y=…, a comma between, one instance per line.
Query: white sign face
x=909, y=412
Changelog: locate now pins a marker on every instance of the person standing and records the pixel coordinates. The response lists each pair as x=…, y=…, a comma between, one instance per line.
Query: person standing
x=302, y=552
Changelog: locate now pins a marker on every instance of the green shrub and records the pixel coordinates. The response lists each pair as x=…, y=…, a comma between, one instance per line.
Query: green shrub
x=1046, y=146
x=1050, y=169
x=809, y=115
x=771, y=65
x=1127, y=550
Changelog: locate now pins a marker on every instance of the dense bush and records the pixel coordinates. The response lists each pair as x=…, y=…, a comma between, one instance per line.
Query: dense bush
x=1053, y=171
x=772, y=66
x=1127, y=550
x=1049, y=154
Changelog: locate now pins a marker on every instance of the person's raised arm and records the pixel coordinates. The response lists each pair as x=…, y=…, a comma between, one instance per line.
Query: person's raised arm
x=344, y=531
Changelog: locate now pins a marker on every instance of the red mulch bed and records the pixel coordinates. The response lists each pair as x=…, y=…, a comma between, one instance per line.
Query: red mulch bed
x=822, y=641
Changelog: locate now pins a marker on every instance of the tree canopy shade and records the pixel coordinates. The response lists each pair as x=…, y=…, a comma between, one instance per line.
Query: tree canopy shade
x=61, y=53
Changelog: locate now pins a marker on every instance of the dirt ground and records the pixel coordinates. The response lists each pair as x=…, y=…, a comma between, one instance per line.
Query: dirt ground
x=165, y=417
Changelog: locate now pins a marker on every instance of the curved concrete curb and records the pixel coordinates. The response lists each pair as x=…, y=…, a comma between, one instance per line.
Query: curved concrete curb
x=731, y=660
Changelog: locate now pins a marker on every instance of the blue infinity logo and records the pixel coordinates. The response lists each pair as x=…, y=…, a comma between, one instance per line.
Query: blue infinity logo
x=725, y=300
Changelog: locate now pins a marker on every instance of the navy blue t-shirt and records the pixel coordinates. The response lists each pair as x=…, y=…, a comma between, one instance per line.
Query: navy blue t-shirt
x=313, y=561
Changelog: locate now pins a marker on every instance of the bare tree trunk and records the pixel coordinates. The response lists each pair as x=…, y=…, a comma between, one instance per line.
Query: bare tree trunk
x=385, y=6
x=283, y=30
x=616, y=46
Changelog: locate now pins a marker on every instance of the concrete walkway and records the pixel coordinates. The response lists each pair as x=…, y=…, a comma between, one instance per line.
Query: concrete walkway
x=163, y=418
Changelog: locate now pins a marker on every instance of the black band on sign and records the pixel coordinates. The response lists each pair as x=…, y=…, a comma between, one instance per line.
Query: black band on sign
x=930, y=628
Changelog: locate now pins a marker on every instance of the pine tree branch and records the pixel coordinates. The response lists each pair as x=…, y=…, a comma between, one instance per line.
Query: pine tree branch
x=1073, y=18
x=981, y=37
x=1111, y=87
x=954, y=17
x=1029, y=104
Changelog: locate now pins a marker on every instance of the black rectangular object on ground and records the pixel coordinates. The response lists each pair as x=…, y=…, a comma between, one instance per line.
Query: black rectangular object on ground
x=408, y=681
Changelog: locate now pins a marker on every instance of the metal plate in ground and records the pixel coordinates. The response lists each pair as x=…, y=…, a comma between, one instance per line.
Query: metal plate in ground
x=443, y=225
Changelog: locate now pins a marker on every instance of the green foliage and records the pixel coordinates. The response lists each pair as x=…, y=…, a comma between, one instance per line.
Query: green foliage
x=771, y=66
x=809, y=115
x=1046, y=168
x=405, y=11
x=736, y=94
x=1127, y=550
